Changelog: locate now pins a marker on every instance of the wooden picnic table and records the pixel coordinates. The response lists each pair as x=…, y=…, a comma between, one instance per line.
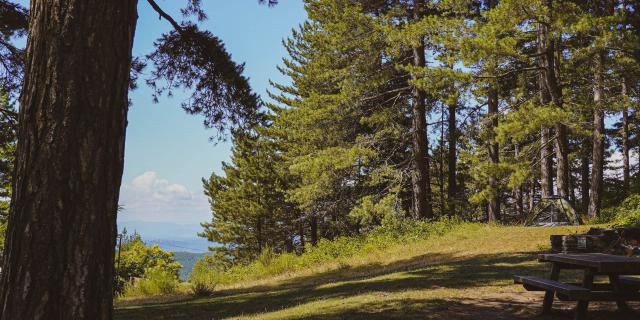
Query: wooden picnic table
x=621, y=288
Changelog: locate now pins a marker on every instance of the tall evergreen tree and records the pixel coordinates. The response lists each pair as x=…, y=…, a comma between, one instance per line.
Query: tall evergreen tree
x=13, y=25
x=249, y=205
x=58, y=258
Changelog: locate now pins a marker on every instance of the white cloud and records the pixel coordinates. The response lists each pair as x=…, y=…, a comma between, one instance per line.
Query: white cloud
x=148, y=197
x=160, y=189
x=147, y=180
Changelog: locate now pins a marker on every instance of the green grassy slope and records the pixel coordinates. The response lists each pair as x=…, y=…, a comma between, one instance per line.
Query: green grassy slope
x=465, y=274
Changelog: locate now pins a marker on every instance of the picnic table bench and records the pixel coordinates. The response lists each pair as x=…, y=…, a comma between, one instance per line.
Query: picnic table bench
x=621, y=287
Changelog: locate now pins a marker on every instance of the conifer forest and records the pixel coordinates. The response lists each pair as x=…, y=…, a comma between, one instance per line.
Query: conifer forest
x=420, y=109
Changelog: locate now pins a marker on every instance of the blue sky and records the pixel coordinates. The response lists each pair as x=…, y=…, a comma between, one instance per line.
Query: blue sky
x=167, y=151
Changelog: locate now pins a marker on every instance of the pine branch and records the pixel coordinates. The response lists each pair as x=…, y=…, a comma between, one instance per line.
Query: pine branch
x=385, y=93
x=9, y=112
x=508, y=73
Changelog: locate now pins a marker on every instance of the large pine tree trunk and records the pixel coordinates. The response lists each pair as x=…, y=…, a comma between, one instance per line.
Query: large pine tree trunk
x=562, y=159
x=549, y=70
x=59, y=256
x=626, y=175
x=546, y=49
x=595, y=194
x=494, y=156
x=563, y=171
x=546, y=161
x=420, y=176
x=452, y=159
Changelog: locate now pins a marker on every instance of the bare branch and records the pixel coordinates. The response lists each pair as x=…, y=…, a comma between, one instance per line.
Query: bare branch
x=165, y=15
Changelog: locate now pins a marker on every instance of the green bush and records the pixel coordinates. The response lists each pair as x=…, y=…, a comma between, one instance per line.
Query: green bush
x=627, y=214
x=135, y=258
x=629, y=219
x=206, y=274
x=156, y=281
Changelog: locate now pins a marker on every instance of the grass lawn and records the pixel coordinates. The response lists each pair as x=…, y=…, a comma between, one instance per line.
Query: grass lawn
x=466, y=274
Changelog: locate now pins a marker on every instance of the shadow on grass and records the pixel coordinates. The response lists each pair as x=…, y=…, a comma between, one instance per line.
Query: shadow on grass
x=418, y=273
x=467, y=309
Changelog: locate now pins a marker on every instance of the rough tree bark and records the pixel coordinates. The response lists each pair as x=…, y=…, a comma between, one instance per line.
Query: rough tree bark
x=549, y=70
x=562, y=161
x=546, y=164
x=595, y=194
x=420, y=176
x=561, y=142
x=73, y=113
x=452, y=160
x=494, y=156
x=546, y=161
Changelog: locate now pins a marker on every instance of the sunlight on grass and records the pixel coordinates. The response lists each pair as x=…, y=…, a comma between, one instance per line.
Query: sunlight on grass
x=421, y=279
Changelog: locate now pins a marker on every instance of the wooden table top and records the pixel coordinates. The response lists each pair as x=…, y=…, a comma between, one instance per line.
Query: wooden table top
x=603, y=263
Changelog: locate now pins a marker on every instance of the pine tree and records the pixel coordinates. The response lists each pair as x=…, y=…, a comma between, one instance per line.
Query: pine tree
x=506, y=92
x=70, y=150
x=7, y=159
x=14, y=25
x=346, y=118
x=248, y=203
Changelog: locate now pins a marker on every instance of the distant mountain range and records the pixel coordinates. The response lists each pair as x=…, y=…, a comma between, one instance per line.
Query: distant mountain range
x=161, y=230
x=193, y=245
x=182, y=239
x=169, y=236
x=187, y=260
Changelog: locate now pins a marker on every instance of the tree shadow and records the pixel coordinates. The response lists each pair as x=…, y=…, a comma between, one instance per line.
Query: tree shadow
x=490, y=266
x=426, y=272
x=468, y=309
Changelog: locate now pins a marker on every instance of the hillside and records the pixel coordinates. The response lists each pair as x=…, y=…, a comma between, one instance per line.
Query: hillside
x=465, y=274
x=187, y=260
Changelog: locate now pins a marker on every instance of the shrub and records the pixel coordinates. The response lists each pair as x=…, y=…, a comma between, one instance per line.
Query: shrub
x=628, y=219
x=627, y=214
x=156, y=281
x=204, y=276
x=135, y=258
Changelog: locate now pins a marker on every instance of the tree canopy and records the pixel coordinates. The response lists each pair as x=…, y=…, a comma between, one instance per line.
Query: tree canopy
x=515, y=97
